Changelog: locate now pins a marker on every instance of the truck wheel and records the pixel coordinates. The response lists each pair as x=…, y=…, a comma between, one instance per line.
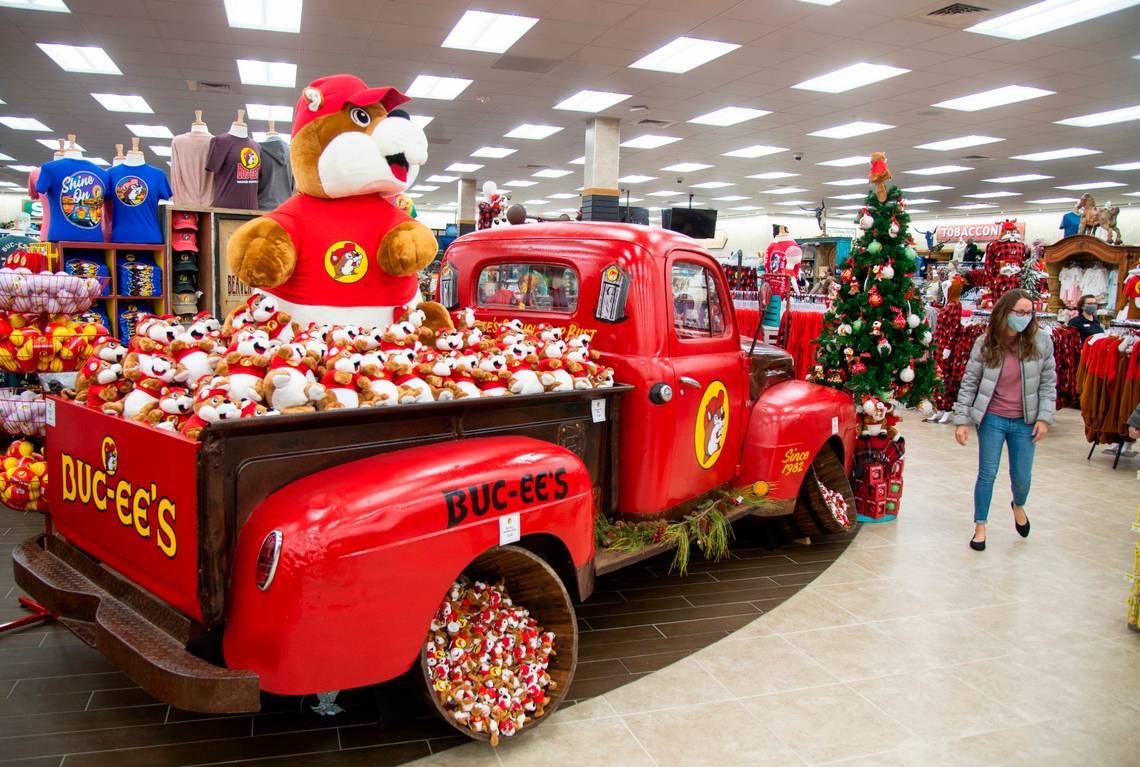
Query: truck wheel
x=531, y=583
x=812, y=515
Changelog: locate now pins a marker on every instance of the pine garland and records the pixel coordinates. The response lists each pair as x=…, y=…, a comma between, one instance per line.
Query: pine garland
x=707, y=526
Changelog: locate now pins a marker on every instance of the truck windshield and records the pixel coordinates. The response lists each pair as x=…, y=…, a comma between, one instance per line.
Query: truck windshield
x=698, y=311
x=540, y=287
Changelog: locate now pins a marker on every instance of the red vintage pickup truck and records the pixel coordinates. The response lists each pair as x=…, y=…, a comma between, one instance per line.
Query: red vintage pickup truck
x=308, y=553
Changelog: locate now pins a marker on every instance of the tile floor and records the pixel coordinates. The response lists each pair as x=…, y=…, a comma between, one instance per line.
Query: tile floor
x=910, y=649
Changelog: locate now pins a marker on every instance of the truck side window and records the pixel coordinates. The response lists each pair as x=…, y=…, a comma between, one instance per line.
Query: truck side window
x=698, y=309
x=540, y=287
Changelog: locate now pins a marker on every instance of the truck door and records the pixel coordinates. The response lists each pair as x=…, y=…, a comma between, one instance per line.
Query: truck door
x=709, y=378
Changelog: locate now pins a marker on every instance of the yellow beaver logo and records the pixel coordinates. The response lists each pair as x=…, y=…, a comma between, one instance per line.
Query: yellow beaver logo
x=345, y=261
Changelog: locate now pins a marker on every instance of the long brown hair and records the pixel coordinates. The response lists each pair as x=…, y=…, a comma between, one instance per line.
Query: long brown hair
x=996, y=341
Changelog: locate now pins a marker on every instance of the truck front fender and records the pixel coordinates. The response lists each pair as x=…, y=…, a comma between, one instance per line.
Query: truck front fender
x=369, y=548
x=787, y=426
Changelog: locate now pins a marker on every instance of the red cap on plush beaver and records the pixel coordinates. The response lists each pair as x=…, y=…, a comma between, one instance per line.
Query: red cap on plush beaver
x=327, y=95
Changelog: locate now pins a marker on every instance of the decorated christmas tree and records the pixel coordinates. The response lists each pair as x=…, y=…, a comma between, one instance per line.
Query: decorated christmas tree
x=875, y=341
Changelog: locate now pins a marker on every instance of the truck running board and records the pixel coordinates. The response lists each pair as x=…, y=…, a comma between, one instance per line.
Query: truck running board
x=142, y=637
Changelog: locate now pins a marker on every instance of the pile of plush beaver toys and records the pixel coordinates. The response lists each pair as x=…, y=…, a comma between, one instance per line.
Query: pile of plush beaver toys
x=259, y=362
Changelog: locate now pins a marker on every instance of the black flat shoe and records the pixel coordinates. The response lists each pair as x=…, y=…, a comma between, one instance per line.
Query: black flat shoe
x=977, y=545
x=1022, y=530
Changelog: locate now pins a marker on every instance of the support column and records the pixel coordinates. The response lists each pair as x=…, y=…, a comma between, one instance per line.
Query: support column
x=467, y=214
x=600, y=192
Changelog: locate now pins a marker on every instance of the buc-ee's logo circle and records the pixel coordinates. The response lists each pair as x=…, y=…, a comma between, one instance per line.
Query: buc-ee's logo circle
x=345, y=261
x=712, y=424
x=249, y=158
x=110, y=453
x=131, y=191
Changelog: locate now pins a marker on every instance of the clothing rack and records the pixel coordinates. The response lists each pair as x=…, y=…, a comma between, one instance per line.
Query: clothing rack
x=1094, y=421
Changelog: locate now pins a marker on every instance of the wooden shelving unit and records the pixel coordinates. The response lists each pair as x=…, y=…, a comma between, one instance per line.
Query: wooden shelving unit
x=111, y=252
x=221, y=291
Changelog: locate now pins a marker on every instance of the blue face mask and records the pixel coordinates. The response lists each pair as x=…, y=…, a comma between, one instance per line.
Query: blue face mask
x=1018, y=323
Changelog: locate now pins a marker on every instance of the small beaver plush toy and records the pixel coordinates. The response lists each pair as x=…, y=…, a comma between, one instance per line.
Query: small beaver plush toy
x=338, y=251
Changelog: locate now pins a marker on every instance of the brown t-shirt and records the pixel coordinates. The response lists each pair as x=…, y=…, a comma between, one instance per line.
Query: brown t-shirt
x=193, y=185
x=236, y=165
x=1007, y=394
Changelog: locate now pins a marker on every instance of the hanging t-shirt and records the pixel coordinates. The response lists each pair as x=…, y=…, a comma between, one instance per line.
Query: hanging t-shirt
x=45, y=217
x=193, y=185
x=236, y=165
x=136, y=192
x=276, y=183
x=1070, y=224
x=76, y=191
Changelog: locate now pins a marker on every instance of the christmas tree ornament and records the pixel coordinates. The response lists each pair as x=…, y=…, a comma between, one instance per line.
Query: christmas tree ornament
x=877, y=328
x=854, y=288
x=910, y=252
x=844, y=329
x=906, y=375
x=894, y=228
x=866, y=220
x=926, y=408
x=874, y=247
x=879, y=175
x=858, y=368
x=887, y=272
x=925, y=338
x=875, y=298
x=858, y=326
x=884, y=347
x=899, y=320
x=913, y=320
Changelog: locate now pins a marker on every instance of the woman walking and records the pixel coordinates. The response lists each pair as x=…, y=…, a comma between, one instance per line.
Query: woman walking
x=1009, y=393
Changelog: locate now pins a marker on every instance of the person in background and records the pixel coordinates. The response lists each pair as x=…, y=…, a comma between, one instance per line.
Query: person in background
x=1134, y=424
x=1086, y=322
x=493, y=294
x=1070, y=224
x=972, y=252
x=1009, y=393
x=558, y=297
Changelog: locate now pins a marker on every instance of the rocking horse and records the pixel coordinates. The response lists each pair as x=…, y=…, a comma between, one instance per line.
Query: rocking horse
x=1093, y=217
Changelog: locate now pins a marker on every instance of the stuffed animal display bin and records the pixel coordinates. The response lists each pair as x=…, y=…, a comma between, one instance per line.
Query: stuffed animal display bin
x=531, y=584
x=23, y=412
x=48, y=292
x=822, y=513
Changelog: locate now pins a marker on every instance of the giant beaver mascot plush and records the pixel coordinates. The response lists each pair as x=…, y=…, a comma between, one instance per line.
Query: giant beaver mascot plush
x=338, y=251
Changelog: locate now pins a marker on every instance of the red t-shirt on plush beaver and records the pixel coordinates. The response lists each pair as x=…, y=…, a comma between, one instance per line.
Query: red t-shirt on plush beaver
x=338, y=251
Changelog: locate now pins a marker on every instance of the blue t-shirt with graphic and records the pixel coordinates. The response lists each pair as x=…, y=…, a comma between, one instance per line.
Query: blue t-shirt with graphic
x=1070, y=224
x=135, y=192
x=76, y=191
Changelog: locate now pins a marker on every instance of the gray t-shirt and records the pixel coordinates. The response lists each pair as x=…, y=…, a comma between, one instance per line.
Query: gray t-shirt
x=275, y=185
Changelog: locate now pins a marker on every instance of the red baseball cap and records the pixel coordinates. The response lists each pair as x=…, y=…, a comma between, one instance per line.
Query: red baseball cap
x=327, y=95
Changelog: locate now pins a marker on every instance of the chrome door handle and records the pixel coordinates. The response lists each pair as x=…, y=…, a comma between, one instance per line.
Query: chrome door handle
x=691, y=382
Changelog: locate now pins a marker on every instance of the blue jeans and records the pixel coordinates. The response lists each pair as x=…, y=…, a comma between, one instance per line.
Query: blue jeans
x=993, y=432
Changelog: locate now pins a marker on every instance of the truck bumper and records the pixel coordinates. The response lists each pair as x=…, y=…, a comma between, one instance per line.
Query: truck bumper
x=143, y=637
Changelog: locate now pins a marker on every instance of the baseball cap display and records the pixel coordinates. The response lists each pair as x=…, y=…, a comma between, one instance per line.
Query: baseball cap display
x=184, y=261
x=185, y=282
x=184, y=239
x=184, y=220
x=185, y=303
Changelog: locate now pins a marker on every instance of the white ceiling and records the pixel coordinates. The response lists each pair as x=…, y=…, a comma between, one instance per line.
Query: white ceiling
x=160, y=45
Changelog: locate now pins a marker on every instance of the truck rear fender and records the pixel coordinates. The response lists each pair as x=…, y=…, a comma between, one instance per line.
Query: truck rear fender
x=787, y=426
x=369, y=548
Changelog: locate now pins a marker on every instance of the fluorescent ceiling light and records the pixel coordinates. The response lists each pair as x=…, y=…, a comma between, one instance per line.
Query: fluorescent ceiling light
x=974, y=206
x=442, y=179
x=959, y=143
x=533, y=132
x=276, y=112
x=664, y=193
x=424, y=188
x=536, y=202
x=591, y=101
x=579, y=160
x=495, y=152
x=23, y=168
x=113, y=102
x=848, y=182
x=1121, y=166
x=552, y=173
x=432, y=87
x=784, y=190
x=846, y=162
x=414, y=195
x=997, y=97
x=756, y=150
x=54, y=144
x=270, y=15
x=773, y=174
x=562, y=196
x=521, y=183
x=1017, y=179
x=261, y=136
x=1046, y=16
x=635, y=179
x=1103, y=118
x=275, y=74
x=916, y=210
x=797, y=202
x=847, y=130
x=463, y=167
x=991, y=195
x=24, y=123
x=150, y=131
x=160, y=150
x=84, y=59
x=1092, y=185
x=55, y=6
x=1056, y=154
x=729, y=116
x=854, y=76
x=1053, y=200
x=5, y=158
x=848, y=207
x=746, y=207
x=649, y=141
x=421, y=120
x=731, y=198
x=487, y=32
x=938, y=170
x=847, y=197
x=919, y=201
x=927, y=188
x=713, y=185
x=683, y=54
x=686, y=167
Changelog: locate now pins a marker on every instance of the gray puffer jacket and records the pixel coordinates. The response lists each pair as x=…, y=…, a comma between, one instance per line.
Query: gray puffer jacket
x=1038, y=385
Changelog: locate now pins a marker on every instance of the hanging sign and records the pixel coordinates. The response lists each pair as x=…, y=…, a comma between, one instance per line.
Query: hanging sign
x=980, y=232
